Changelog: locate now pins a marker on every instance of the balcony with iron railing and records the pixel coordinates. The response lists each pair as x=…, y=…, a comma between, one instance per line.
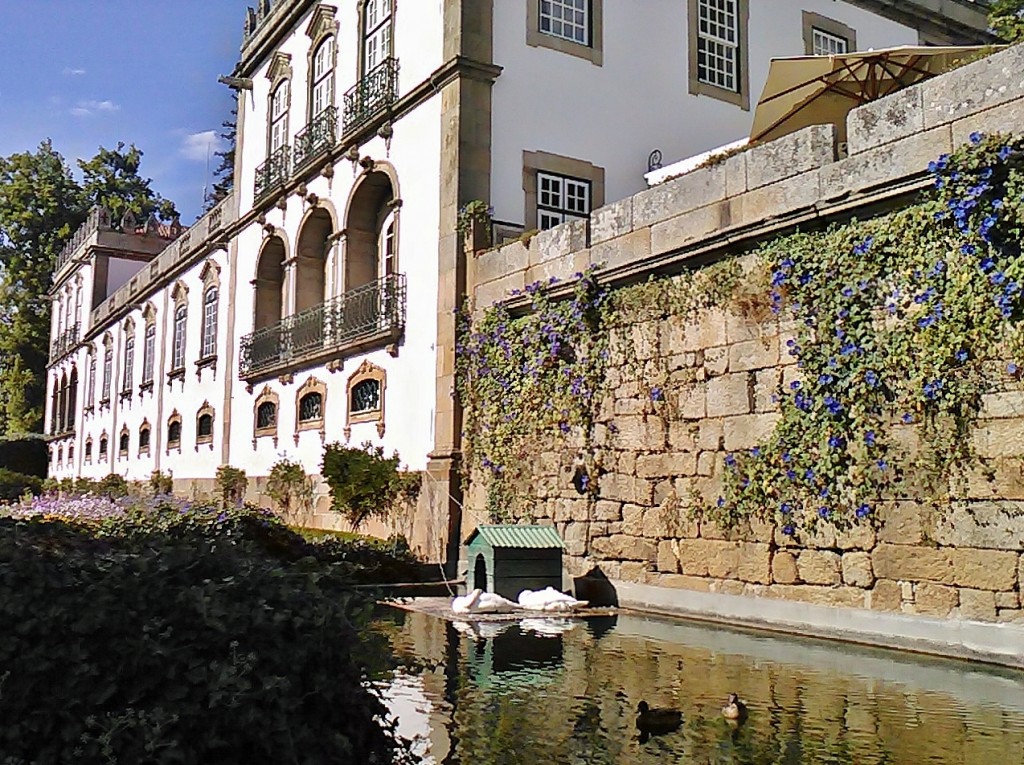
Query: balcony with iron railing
x=373, y=93
x=64, y=343
x=371, y=314
x=273, y=173
x=316, y=138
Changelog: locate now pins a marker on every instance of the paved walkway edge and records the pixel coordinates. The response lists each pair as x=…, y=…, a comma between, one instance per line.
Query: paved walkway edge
x=1001, y=644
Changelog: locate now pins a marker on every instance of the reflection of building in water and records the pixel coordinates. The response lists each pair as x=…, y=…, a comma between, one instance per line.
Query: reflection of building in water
x=516, y=657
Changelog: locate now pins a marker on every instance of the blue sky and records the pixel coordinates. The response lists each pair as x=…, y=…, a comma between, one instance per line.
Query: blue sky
x=87, y=73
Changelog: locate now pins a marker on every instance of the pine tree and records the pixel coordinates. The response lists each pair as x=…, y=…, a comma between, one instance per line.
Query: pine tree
x=112, y=180
x=225, y=171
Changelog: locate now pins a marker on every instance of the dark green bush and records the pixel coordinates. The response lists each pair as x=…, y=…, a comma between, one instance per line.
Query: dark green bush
x=364, y=483
x=13, y=485
x=26, y=454
x=112, y=486
x=182, y=635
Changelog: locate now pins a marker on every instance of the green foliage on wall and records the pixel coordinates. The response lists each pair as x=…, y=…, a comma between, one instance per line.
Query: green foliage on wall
x=899, y=325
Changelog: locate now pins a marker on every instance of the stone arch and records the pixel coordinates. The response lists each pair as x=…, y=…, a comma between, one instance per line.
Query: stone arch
x=311, y=258
x=269, y=283
x=372, y=201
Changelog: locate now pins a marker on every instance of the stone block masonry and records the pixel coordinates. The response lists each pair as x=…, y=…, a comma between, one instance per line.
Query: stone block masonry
x=962, y=561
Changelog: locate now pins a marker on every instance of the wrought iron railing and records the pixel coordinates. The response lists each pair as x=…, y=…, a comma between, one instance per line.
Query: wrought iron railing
x=318, y=136
x=360, y=313
x=64, y=342
x=376, y=91
x=273, y=172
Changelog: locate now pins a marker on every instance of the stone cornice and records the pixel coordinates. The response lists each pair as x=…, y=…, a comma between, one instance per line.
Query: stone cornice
x=277, y=25
x=950, y=21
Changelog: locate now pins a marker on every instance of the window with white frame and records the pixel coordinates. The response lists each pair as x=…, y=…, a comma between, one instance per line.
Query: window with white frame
x=178, y=354
x=827, y=44
x=91, y=384
x=561, y=198
x=377, y=23
x=568, y=19
x=718, y=37
x=279, y=117
x=149, y=354
x=129, y=363
x=323, y=77
x=210, y=302
x=108, y=369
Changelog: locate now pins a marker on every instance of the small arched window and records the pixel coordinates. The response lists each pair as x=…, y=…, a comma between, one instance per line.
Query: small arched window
x=71, y=454
x=88, y=450
x=178, y=356
x=204, y=427
x=60, y=456
x=210, y=302
x=323, y=78
x=174, y=434
x=144, y=439
x=266, y=415
x=311, y=407
x=122, y=446
x=365, y=397
x=279, y=117
x=103, y=447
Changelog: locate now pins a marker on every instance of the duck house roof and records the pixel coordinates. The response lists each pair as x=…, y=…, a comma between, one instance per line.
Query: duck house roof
x=511, y=535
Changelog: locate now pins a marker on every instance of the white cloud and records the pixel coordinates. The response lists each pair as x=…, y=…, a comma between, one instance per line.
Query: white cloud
x=199, y=146
x=89, y=108
x=73, y=71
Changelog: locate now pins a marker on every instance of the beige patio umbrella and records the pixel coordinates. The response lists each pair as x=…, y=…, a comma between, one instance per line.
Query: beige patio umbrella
x=818, y=90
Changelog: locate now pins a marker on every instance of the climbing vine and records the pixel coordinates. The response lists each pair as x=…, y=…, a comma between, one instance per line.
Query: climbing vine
x=896, y=322
x=897, y=325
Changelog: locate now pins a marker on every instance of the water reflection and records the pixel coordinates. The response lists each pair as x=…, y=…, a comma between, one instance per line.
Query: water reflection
x=567, y=692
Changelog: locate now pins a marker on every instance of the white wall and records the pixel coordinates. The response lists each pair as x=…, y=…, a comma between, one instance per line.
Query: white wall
x=614, y=115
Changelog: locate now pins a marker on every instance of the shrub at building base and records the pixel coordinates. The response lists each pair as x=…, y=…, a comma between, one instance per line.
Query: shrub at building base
x=364, y=483
x=173, y=634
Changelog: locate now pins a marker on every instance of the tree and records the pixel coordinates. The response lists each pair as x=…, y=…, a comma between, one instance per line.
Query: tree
x=225, y=171
x=1006, y=18
x=41, y=205
x=111, y=179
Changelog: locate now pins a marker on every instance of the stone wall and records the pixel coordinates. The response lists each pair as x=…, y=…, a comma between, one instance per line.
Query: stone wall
x=963, y=560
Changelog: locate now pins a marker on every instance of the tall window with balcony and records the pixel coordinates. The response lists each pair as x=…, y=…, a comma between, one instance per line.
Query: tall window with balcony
x=90, y=396
x=378, y=71
x=718, y=50
x=178, y=345
x=129, y=365
x=272, y=173
x=108, y=370
x=149, y=356
x=321, y=131
x=210, y=303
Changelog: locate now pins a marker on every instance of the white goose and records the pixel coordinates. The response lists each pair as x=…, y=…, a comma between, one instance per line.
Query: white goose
x=480, y=602
x=549, y=599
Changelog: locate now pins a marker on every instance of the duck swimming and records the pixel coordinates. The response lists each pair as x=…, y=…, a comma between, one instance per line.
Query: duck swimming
x=735, y=709
x=658, y=719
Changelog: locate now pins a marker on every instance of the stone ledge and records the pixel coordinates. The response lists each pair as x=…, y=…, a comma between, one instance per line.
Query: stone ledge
x=975, y=641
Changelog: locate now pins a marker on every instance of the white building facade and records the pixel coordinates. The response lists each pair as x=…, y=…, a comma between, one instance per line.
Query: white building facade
x=315, y=304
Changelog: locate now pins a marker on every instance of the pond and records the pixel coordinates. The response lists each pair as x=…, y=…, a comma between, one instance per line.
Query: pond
x=547, y=691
